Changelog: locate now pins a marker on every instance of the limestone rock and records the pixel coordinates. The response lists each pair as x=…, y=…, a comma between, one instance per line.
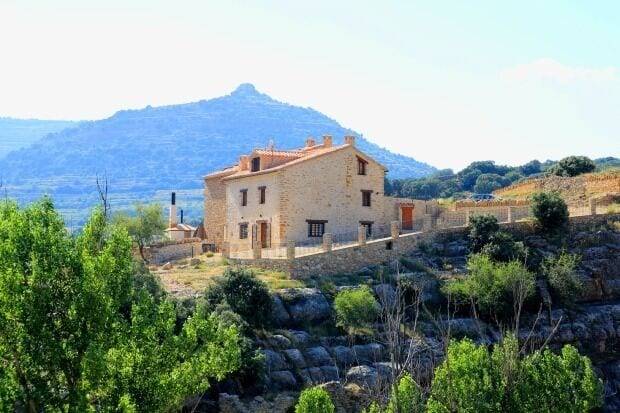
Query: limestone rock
x=317, y=356
x=305, y=305
x=364, y=376
x=282, y=380
x=281, y=317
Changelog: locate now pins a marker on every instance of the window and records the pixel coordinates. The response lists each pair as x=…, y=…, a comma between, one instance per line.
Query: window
x=361, y=166
x=366, y=197
x=255, y=164
x=261, y=194
x=316, y=228
x=244, y=197
x=368, y=226
x=243, y=230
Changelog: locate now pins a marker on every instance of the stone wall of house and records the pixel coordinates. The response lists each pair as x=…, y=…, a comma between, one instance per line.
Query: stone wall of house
x=215, y=209
x=188, y=248
x=329, y=188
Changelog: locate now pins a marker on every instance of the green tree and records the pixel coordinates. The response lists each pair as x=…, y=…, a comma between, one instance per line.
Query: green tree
x=245, y=294
x=481, y=230
x=573, y=166
x=549, y=210
x=314, y=400
x=144, y=226
x=487, y=183
x=562, y=276
x=356, y=308
x=406, y=397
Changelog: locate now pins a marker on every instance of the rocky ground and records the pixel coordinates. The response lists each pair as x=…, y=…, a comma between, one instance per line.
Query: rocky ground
x=306, y=349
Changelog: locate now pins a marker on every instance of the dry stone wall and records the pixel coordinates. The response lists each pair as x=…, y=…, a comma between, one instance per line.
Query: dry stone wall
x=170, y=252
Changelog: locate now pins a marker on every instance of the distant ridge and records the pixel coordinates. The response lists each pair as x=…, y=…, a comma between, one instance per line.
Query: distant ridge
x=147, y=152
x=20, y=133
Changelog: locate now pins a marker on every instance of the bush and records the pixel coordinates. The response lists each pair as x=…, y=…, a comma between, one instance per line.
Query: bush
x=493, y=287
x=314, y=400
x=356, y=308
x=573, y=166
x=502, y=247
x=487, y=183
x=406, y=397
x=549, y=210
x=246, y=296
x=472, y=379
x=562, y=277
x=481, y=229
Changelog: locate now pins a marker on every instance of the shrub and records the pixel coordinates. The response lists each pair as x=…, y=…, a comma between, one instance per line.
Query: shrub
x=406, y=397
x=493, y=287
x=502, y=247
x=355, y=308
x=562, y=277
x=549, y=210
x=314, y=400
x=472, y=379
x=246, y=295
x=573, y=166
x=481, y=229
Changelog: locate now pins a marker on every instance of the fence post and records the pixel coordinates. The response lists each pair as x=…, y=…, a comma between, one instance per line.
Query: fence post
x=511, y=214
x=592, y=202
x=395, y=229
x=290, y=250
x=361, y=235
x=328, y=242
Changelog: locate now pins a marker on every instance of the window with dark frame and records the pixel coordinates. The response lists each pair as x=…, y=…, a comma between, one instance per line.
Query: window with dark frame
x=361, y=166
x=261, y=194
x=366, y=197
x=368, y=226
x=244, y=197
x=316, y=228
x=255, y=164
x=243, y=230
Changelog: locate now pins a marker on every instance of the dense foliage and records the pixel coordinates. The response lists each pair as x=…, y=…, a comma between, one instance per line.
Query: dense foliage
x=549, y=210
x=573, y=166
x=560, y=272
x=314, y=400
x=473, y=379
x=245, y=294
x=145, y=225
x=481, y=229
x=486, y=237
x=356, y=308
x=76, y=336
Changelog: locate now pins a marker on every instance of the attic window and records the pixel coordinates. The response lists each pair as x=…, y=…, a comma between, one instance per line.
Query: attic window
x=256, y=164
x=361, y=166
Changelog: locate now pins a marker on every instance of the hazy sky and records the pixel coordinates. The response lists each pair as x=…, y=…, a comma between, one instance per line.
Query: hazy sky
x=447, y=82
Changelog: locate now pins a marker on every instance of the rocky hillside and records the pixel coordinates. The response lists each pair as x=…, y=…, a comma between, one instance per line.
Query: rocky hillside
x=20, y=133
x=575, y=190
x=305, y=349
x=147, y=153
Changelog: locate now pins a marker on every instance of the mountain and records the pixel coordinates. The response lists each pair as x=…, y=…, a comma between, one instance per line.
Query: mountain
x=20, y=133
x=147, y=153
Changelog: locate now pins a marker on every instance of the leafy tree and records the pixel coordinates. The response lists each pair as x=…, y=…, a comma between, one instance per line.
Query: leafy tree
x=573, y=166
x=481, y=230
x=245, y=294
x=145, y=226
x=502, y=247
x=472, y=379
x=513, y=176
x=487, y=183
x=75, y=336
x=468, y=178
x=561, y=274
x=356, y=308
x=531, y=168
x=549, y=210
x=314, y=400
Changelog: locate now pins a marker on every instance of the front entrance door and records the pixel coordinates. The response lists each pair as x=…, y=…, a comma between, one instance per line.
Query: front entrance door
x=264, y=235
x=407, y=217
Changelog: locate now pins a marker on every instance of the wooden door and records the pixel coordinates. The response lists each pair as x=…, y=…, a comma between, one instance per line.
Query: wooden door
x=264, y=234
x=407, y=217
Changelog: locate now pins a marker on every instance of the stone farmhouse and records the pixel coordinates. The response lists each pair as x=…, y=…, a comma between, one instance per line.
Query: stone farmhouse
x=271, y=197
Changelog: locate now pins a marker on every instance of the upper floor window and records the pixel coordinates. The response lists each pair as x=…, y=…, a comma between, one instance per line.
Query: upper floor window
x=243, y=230
x=261, y=194
x=244, y=197
x=361, y=166
x=255, y=164
x=316, y=228
x=366, y=195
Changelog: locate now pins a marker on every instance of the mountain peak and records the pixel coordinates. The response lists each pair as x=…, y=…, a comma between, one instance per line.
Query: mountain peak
x=245, y=89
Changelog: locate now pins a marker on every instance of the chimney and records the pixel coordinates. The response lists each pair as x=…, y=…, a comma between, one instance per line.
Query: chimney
x=327, y=141
x=181, y=216
x=244, y=162
x=349, y=140
x=172, y=220
x=310, y=142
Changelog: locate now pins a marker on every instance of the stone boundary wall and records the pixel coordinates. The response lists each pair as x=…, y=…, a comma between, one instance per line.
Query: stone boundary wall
x=353, y=258
x=160, y=254
x=466, y=204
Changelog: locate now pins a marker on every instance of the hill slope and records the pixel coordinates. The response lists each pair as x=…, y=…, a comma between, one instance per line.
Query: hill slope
x=146, y=153
x=20, y=133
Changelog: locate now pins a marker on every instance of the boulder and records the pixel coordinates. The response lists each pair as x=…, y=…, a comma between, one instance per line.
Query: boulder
x=317, y=356
x=282, y=380
x=278, y=341
x=368, y=353
x=364, y=376
x=230, y=403
x=305, y=305
x=343, y=356
x=274, y=361
x=298, y=338
x=194, y=261
x=330, y=373
x=295, y=357
x=280, y=316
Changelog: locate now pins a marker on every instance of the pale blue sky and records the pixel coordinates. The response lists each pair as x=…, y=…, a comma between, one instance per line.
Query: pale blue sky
x=447, y=82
